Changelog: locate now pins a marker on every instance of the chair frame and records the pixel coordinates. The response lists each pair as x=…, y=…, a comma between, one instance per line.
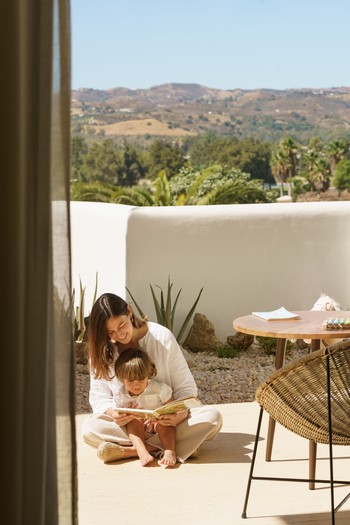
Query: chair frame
x=331, y=479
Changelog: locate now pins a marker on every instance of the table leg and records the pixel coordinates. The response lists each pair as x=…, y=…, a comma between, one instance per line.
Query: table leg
x=279, y=362
x=312, y=463
x=315, y=345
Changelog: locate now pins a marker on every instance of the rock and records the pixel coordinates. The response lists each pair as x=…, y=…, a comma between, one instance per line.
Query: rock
x=284, y=198
x=81, y=353
x=201, y=336
x=240, y=340
x=188, y=356
x=301, y=344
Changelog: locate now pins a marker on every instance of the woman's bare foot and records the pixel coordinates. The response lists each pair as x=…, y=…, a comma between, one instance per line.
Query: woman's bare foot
x=169, y=459
x=145, y=458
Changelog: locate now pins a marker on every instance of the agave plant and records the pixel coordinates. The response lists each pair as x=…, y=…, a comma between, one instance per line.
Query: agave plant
x=79, y=319
x=165, y=308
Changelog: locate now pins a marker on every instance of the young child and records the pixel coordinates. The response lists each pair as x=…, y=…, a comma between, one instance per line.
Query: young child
x=135, y=369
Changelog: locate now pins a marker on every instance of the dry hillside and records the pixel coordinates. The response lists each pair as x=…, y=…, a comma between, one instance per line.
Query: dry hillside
x=185, y=109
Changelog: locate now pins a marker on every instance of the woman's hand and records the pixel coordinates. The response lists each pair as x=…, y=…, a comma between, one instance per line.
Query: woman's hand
x=120, y=418
x=172, y=420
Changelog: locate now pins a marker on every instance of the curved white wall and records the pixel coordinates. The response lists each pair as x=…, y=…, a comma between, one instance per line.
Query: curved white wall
x=248, y=257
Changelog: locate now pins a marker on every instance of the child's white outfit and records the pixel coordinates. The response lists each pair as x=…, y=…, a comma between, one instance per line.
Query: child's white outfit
x=154, y=395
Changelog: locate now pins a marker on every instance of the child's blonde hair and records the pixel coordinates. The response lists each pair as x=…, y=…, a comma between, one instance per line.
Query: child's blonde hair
x=134, y=364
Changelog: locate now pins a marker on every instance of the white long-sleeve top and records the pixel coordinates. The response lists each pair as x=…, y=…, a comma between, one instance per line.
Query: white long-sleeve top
x=162, y=347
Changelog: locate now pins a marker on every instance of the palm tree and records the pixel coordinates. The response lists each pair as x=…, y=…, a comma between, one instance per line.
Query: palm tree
x=320, y=175
x=289, y=147
x=336, y=150
x=310, y=159
x=318, y=170
x=92, y=191
x=284, y=162
x=235, y=193
x=134, y=196
x=279, y=168
x=162, y=194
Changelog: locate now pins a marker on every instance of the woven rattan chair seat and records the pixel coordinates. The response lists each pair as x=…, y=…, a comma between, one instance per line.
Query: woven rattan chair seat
x=296, y=395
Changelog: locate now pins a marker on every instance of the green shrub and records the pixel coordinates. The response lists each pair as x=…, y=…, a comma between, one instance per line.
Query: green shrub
x=227, y=351
x=269, y=344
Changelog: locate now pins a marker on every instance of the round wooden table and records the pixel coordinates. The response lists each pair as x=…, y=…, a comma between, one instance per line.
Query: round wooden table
x=308, y=326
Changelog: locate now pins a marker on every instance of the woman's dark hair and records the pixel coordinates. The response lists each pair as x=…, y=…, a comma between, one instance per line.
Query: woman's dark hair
x=100, y=352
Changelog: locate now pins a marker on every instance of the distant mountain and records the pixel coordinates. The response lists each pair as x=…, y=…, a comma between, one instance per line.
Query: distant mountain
x=191, y=109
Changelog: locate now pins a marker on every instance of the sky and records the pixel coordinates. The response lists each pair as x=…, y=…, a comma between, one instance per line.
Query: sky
x=222, y=44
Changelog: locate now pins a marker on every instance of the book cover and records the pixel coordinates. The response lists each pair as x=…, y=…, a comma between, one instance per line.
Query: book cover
x=276, y=315
x=170, y=408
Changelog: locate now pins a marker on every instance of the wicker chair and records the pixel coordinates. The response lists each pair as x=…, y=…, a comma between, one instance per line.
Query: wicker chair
x=310, y=397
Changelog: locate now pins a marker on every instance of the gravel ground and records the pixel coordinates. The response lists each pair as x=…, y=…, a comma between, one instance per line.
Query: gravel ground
x=219, y=380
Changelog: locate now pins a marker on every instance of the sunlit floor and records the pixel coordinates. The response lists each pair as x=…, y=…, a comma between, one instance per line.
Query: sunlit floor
x=211, y=489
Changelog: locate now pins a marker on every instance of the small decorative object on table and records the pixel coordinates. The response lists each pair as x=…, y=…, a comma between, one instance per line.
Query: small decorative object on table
x=337, y=323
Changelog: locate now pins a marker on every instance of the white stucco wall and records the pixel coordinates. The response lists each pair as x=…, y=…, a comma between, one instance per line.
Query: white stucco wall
x=247, y=257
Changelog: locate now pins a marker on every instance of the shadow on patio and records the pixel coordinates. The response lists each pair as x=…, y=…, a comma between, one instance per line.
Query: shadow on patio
x=211, y=488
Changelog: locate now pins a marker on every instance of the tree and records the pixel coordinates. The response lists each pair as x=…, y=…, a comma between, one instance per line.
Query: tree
x=336, y=150
x=250, y=155
x=284, y=162
x=79, y=149
x=166, y=157
x=162, y=194
x=134, y=196
x=290, y=149
x=131, y=169
x=220, y=185
x=341, y=178
x=214, y=185
x=91, y=191
x=182, y=181
x=102, y=163
x=317, y=169
x=201, y=150
x=319, y=176
x=240, y=191
x=279, y=166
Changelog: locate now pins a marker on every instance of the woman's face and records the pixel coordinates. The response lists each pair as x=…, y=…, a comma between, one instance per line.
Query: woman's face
x=120, y=329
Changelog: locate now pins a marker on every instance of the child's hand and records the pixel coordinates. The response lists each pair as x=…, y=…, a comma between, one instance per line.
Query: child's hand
x=150, y=425
x=171, y=420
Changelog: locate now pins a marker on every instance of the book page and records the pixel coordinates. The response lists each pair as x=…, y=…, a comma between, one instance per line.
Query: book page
x=139, y=412
x=177, y=406
x=276, y=315
x=170, y=408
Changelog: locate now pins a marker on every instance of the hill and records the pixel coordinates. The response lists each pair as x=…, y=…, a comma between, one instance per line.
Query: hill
x=179, y=110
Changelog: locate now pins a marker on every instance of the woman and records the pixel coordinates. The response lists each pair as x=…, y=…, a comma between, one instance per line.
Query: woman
x=112, y=329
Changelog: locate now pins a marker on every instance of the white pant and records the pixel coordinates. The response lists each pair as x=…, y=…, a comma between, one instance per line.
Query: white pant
x=202, y=424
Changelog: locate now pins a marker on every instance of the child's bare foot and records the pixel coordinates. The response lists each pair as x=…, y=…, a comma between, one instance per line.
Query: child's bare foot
x=169, y=459
x=145, y=458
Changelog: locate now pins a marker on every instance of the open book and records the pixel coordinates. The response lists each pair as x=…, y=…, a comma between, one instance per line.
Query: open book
x=276, y=315
x=169, y=408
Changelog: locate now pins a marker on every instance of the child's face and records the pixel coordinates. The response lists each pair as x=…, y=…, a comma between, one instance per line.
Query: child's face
x=136, y=387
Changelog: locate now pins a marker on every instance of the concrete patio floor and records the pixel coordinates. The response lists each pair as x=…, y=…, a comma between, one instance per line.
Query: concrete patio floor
x=211, y=489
